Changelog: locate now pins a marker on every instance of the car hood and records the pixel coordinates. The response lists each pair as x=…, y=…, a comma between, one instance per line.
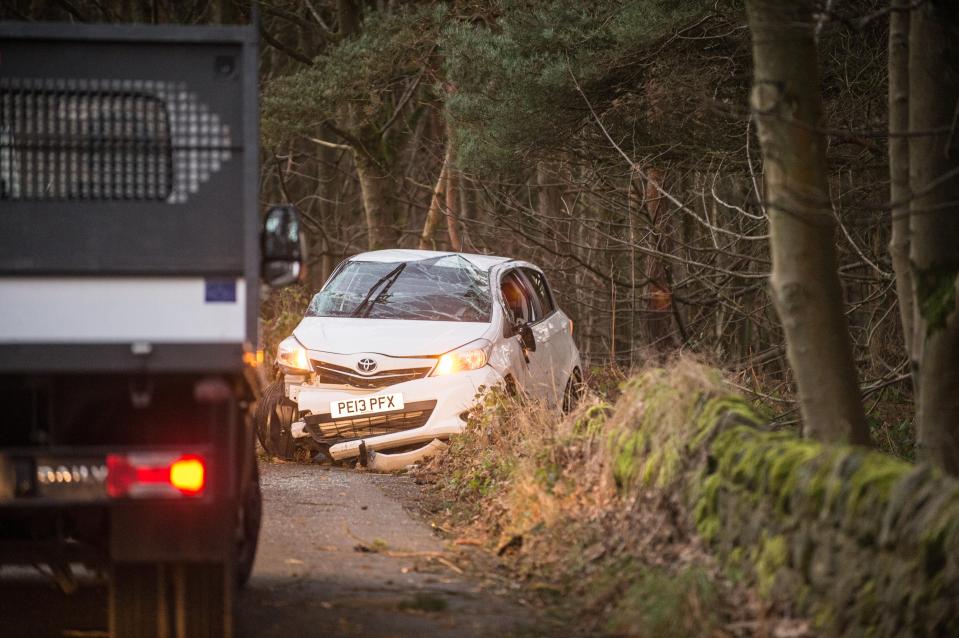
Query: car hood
x=391, y=337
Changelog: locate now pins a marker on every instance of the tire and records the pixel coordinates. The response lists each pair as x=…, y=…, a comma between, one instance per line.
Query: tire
x=273, y=417
x=179, y=600
x=248, y=532
x=573, y=392
x=509, y=384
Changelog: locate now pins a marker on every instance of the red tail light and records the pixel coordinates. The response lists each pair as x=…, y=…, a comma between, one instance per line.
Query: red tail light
x=155, y=475
x=188, y=474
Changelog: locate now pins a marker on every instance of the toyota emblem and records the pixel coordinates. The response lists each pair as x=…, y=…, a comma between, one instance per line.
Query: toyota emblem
x=366, y=365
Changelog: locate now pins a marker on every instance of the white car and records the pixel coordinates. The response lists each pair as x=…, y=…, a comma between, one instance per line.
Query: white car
x=395, y=348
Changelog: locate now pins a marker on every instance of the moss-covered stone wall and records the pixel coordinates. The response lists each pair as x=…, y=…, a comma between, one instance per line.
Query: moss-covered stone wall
x=860, y=542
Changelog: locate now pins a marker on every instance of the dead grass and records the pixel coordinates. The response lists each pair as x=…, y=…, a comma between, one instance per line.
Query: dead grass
x=537, y=490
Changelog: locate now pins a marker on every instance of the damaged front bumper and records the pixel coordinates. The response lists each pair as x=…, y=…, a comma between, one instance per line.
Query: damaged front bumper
x=383, y=462
x=434, y=409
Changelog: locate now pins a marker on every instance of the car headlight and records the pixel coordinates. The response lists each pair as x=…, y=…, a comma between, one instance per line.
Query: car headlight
x=291, y=354
x=472, y=356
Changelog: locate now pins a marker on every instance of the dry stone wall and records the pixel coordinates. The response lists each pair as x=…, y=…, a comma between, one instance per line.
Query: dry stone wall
x=860, y=542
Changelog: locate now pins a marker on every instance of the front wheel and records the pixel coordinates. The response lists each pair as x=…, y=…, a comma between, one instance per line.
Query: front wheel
x=273, y=418
x=573, y=392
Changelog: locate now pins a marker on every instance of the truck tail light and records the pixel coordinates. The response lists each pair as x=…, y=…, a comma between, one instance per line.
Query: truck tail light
x=155, y=475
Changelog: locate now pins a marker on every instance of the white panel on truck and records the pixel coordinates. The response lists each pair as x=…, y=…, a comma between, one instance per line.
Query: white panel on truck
x=122, y=309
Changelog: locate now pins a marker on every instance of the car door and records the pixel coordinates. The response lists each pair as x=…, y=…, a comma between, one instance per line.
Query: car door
x=551, y=330
x=530, y=368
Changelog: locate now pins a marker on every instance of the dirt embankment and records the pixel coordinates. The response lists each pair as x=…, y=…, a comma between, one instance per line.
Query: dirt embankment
x=676, y=510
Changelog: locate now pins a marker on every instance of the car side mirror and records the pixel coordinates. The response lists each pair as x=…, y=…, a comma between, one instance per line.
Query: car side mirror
x=526, y=337
x=283, y=247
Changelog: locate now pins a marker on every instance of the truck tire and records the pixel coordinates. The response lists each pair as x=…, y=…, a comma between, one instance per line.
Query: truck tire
x=248, y=534
x=274, y=416
x=179, y=600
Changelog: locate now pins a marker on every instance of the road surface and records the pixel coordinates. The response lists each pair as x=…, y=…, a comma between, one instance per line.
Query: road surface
x=312, y=576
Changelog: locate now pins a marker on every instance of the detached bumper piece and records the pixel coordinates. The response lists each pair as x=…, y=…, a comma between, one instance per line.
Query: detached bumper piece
x=325, y=429
x=383, y=462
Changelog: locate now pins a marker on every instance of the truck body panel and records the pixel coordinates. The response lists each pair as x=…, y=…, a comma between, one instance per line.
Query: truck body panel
x=129, y=279
x=128, y=156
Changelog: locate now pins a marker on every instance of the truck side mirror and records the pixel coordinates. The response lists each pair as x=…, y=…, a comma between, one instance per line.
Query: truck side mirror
x=283, y=246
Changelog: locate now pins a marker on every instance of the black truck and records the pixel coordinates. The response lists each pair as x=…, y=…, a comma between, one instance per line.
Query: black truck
x=131, y=257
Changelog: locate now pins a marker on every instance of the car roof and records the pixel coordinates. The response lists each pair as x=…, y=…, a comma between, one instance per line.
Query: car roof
x=484, y=262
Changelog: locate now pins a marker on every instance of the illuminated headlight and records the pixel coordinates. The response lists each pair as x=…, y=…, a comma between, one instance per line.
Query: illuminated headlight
x=291, y=354
x=472, y=356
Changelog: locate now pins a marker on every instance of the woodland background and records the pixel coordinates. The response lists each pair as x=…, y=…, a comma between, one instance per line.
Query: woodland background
x=611, y=142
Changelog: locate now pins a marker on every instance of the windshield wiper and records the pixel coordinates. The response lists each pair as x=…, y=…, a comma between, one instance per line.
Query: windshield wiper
x=368, y=301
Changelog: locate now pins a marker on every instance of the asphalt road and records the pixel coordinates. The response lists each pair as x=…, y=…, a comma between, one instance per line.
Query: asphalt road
x=313, y=575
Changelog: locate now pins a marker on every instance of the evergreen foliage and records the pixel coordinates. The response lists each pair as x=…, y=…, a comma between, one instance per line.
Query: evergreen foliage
x=515, y=83
x=356, y=82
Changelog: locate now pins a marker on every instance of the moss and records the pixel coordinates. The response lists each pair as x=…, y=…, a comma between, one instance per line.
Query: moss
x=823, y=617
x=651, y=466
x=773, y=556
x=706, y=508
x=809, y=524
x=593, y=420
x=669, y=467
x=874, y=480
x=783, y=471
x=666, y=418
x=936, y=294
x=715, y=410
x=737, y=566
x=627, y=448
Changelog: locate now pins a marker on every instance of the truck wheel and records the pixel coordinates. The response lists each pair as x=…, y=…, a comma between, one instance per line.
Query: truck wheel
x=248, y=532
x=274, y=416
x=180, y=600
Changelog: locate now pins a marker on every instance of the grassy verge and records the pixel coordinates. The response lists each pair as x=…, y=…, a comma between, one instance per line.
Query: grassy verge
x=586, y=528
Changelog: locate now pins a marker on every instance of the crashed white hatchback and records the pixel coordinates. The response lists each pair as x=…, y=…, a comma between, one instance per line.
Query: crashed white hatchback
x=395, y=348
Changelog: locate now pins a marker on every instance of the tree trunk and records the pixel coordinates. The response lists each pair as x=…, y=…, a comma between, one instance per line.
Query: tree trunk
x=934, y=226
x=452, y=208
x=376, y=185
x=804, y=281
x=348, y=15
x=899, y=162
x=436, y=207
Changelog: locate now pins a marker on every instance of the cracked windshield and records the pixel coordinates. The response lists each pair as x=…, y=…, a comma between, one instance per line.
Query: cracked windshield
x=442, y=289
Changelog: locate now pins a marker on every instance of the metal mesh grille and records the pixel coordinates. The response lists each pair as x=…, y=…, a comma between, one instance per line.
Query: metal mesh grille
x=70, y=145
x=107, y=139
x=339, y=375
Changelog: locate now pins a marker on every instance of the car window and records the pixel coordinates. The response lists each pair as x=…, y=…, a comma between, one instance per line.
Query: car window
x=447, y=288
x=520, y=299
x=541, y=290
x=515, y=298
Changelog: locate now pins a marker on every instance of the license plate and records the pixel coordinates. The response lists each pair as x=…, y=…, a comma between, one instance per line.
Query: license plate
x=366, y=405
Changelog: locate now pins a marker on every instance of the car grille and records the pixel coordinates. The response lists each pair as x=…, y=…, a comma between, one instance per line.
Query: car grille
x=414, y=415
x=341, y=375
